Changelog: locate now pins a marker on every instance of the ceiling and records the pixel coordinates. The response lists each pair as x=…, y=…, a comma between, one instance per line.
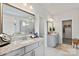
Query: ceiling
x=49, y=8
x=55, y=8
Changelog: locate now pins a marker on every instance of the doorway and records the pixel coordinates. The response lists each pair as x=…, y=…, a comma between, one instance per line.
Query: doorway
x=67, y=31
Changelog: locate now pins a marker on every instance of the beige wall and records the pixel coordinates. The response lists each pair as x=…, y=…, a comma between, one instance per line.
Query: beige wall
x=70, y=14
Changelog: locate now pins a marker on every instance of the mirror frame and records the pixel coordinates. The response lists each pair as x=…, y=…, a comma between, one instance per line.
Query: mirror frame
x=1, y=14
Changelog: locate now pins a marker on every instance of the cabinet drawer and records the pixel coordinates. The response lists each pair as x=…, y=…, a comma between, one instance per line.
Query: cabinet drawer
x=18, y=52
x=31, y=53
x=31, y=47
x=28, y=54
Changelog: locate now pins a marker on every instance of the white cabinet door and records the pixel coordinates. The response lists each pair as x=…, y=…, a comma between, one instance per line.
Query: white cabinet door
x=31, y=53
x=40, y=50
x=18, y=52
x=31, y=47
x=52, y=40
x=26, y=51
x=28, y=54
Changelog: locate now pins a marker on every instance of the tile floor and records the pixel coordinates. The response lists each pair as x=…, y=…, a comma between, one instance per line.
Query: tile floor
x=61, y=50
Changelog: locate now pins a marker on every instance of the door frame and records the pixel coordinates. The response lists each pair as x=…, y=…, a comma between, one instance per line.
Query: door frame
x=62, y=28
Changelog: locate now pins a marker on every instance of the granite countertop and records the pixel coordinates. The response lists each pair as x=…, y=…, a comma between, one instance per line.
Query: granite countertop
x=18, y=44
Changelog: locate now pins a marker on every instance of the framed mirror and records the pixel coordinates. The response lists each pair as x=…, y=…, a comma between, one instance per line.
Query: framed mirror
x=16, y=20
x=50, y=27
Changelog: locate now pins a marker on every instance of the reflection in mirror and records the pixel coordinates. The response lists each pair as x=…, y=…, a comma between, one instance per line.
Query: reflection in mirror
x=50, y=27
x=17, y=21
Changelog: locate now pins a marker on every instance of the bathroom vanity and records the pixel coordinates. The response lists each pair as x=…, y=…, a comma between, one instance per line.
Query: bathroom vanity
x=22, y=23
x=21, y=48
x=52, y=40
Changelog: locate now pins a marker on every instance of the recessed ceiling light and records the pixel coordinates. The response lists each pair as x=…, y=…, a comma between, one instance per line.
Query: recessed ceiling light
x=28, y=6
x=25, y=4
x=31, y=7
